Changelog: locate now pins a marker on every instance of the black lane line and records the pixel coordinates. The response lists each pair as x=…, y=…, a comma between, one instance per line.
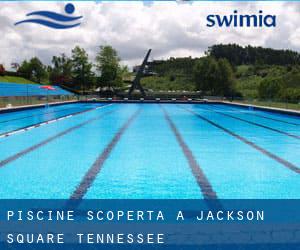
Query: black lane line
x=256, y=124
x=266, y=117
x=274, y=119
x=38, y=114
x=38, y=124
x=94, y=170
x=50, y=139
x=280, y=160
x=201, y=179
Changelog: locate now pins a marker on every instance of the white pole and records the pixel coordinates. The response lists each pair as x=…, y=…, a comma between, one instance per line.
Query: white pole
x=47, y=98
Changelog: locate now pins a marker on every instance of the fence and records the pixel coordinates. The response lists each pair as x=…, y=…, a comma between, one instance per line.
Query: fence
x=14, y=94
x=287, y=104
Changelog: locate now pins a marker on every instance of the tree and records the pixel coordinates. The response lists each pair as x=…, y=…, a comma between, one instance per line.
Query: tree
x=25, y=69
x=2, y=70
x=33, y=70
x=214, y=76
x=81, y=69
x=238, y=55
x=108, y=65
x=38, y=70
x=270, y=88
x=205, y=73
x=61, y=71
x=290, y=94
x=224, y=84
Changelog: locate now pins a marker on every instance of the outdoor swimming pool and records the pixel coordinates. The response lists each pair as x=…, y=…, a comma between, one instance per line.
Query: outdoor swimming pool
x=173, y=151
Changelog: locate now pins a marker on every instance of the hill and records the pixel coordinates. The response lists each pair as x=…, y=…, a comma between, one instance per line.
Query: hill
x=238, y=55
x=272, y=82
x=171, y=74
x=15, y=79
x=257, y=73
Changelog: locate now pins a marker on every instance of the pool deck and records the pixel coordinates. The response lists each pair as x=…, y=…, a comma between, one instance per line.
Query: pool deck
x=263, y=108
x=19, y=108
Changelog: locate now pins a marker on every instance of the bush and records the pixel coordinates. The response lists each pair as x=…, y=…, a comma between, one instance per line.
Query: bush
x=172, y=78
x=270, y=88
x=290, y=95
x=2, y=70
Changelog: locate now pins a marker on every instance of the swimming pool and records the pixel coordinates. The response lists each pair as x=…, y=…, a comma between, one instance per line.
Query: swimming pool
x=173, y=151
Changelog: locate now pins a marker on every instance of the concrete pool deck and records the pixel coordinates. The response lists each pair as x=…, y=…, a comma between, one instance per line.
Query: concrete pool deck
x=265, y=108
x=32, y=106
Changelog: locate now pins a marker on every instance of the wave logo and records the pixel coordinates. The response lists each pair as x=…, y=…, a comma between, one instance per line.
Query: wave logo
x=54, y=20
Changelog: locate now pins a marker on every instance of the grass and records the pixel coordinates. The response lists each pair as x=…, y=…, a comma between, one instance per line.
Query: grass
x=165, y=83
x=15, y=79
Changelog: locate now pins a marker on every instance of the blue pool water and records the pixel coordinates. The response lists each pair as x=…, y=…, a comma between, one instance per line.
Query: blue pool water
x=17, y=120
x=149, y=151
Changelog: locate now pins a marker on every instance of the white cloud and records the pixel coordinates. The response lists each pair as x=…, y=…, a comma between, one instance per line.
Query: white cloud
x=170, y=29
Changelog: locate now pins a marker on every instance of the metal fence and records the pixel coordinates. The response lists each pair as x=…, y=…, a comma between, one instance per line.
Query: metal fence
x=282, y=104
x=14, y=101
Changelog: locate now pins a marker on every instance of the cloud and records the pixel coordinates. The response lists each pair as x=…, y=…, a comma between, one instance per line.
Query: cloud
x=169, y=28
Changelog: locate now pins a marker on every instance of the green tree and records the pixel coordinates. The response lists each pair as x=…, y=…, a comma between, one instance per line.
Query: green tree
x=83, y=76
x=108, y=65
x=238, y=55
x=205, y=74
x=270, y=88
x=38, y=70
x=213, y=76
x=61, y=71
x=224, y=83
x=33, y=70
x=290, y=94
x=25, y=69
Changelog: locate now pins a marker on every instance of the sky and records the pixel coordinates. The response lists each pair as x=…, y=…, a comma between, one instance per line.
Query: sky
x=171, y=29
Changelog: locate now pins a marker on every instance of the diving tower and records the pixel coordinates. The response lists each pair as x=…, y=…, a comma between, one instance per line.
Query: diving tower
x=136, y=82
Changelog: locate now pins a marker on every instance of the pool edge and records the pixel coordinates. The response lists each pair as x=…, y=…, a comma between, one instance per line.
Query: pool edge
x=263, y=108
x=34, y=106
x=242, y=105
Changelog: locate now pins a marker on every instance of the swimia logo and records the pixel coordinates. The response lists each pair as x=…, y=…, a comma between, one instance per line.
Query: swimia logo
x=54, y=20
x=239, y=20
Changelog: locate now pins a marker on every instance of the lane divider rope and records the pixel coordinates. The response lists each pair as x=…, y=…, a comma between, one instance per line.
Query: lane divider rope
x=50, y=139
x=260, y=149
x=255, y=124
x=17, y=131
